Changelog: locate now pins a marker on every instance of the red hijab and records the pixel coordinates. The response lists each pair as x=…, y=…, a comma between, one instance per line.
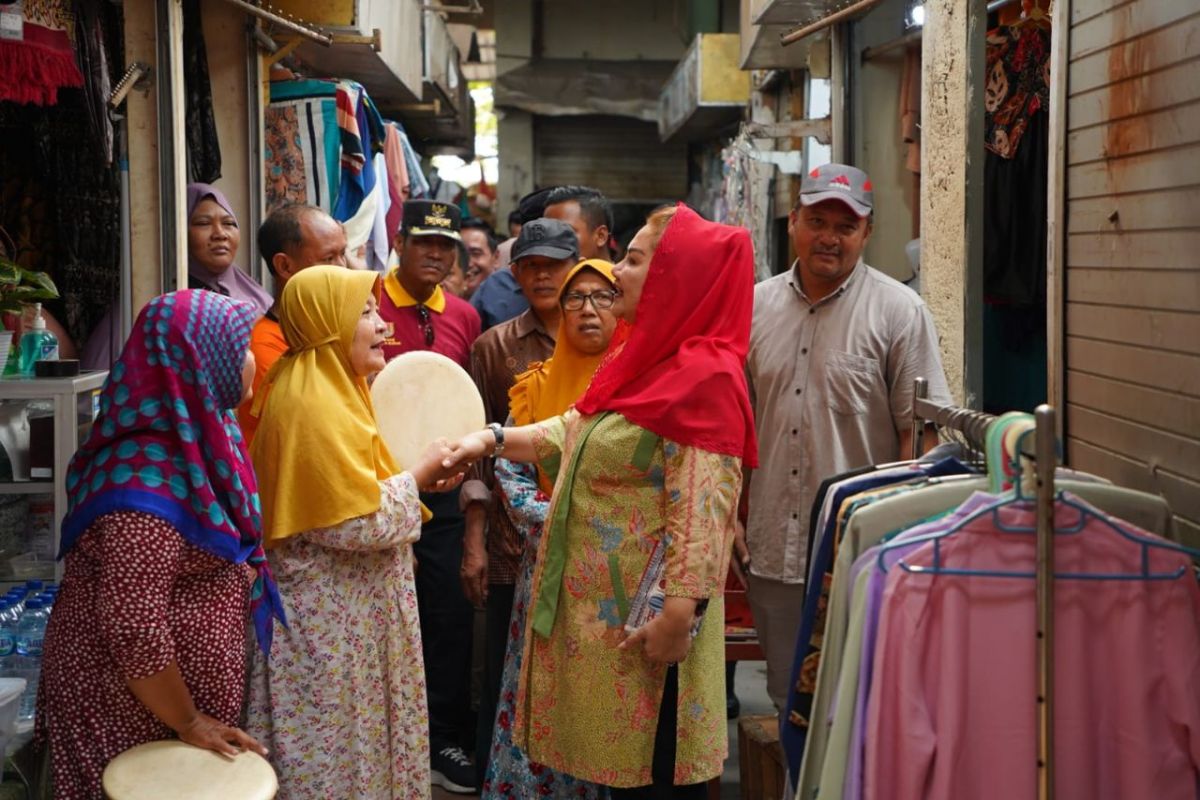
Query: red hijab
x=681, y=372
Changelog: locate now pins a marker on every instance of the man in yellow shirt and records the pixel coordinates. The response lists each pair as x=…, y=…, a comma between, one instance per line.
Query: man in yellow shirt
x=290, y=239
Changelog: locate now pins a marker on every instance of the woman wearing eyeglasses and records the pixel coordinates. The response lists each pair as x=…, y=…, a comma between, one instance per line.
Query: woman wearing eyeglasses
x=545, y=391
x=647, y=471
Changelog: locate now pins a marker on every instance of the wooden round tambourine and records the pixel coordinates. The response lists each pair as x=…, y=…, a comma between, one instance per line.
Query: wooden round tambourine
x=421, y=396
x=172, y=768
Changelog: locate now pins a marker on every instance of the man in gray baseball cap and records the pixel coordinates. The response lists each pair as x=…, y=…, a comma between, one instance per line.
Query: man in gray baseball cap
x=834, y=348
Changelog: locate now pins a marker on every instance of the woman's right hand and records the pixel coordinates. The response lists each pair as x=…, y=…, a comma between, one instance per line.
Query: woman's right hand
x=469, y=449
x=211, y=734
x=431, y=472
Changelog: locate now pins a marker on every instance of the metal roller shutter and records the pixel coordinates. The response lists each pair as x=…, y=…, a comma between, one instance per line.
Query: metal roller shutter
x=621, y=157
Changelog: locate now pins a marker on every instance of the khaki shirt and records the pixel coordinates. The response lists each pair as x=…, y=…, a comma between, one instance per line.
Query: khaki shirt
x=831, y=384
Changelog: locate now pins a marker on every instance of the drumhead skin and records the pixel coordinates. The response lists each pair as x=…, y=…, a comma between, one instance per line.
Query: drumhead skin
x=420, y=396
x=171, y=768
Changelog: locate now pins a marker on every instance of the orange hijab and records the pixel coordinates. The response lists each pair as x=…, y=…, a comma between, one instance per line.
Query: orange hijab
x=549, y=388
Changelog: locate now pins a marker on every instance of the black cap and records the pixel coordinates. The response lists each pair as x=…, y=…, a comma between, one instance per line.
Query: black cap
x=552, y=238
x=430, y=218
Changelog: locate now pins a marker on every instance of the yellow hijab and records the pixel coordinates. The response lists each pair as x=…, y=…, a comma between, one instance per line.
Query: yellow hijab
x=317, y=452
x=549, y=388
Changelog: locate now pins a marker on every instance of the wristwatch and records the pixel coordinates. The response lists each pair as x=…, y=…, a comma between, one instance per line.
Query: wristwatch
x=498, y=431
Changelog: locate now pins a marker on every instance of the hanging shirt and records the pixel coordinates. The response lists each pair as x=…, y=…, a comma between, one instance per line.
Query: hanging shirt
x=952, y=709
x=453, y=325
x=832, y=386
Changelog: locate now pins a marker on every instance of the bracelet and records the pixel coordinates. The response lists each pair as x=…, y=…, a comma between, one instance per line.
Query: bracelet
x=498, y=431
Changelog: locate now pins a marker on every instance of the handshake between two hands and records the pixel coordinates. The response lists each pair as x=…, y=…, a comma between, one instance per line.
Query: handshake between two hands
x=444, y=464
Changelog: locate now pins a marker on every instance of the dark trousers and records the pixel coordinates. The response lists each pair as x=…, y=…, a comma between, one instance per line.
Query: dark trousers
x=662, y=768
x=446, y=621
x=499, y=613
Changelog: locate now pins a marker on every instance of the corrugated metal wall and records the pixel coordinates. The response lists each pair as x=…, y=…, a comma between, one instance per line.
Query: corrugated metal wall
x=619, y=156
x=1132, y=323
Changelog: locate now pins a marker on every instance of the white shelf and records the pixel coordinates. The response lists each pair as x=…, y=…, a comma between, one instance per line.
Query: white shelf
x=66, y=394
x=27, y=487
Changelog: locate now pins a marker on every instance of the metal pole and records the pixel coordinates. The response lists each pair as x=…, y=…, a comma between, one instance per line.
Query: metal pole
x=920, y=392
x=1047, y=458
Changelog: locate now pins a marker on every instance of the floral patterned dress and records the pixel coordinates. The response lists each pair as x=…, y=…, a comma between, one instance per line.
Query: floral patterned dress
x=584, y=707
x=511, y=775
x=341, y=701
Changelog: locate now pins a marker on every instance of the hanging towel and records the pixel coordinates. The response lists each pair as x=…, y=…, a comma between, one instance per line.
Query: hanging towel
x=37, y=56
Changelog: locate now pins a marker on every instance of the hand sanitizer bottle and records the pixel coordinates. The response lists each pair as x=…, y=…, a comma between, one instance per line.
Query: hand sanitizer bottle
x=38, y=344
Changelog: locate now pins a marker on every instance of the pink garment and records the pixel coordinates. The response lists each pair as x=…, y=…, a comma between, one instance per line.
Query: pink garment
x=953, y=711
x=397, y=173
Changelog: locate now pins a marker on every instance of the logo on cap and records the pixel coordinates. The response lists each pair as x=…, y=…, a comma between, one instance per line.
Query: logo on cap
x=437, y=216
x=840, y=182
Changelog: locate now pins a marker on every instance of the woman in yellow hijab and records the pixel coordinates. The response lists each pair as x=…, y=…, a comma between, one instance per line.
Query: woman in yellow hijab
x=341, y=702
x=546, y=390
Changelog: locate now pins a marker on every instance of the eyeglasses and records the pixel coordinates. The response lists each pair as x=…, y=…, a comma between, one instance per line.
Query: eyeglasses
x=426, y=325
x=600, y=300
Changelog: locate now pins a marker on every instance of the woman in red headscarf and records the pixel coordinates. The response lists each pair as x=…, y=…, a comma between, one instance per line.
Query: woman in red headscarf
x=622, y=684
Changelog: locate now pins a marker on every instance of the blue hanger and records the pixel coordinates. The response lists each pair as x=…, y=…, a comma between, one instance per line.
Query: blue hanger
x=938, y=568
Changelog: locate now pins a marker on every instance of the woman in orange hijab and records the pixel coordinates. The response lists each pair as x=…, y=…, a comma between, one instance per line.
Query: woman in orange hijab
x=543, y=392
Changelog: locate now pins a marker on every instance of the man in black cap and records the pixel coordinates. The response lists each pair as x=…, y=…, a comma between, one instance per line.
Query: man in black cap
x=425, y=317
x=545, y=251
x=499, y=298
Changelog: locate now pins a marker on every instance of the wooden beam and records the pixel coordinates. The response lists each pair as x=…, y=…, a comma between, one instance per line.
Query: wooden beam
x=819, y=129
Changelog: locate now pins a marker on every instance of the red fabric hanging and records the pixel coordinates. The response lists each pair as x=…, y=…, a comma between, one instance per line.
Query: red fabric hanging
x=35, y=67
x=681, y=372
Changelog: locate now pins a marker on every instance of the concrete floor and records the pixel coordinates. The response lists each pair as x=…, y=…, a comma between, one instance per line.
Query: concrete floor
x=751, y=686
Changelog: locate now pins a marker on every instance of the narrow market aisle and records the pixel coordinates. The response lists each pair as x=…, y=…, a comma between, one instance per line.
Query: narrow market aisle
x=751, y=682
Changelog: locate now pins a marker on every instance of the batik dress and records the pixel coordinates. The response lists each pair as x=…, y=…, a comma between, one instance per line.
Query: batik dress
x=341, y=703
x=583, y=706
x=510, y=774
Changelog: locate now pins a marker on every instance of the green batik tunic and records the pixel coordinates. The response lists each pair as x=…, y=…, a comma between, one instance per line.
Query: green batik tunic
x=584, y=707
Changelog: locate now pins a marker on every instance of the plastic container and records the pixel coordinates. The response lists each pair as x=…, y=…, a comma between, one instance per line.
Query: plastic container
x=31, y=631
x=38, y=344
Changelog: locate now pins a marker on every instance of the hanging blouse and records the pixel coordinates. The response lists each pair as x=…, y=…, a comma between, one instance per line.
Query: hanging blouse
x=1018, y=84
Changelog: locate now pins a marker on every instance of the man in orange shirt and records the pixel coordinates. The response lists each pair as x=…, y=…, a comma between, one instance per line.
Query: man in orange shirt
x=291, y=238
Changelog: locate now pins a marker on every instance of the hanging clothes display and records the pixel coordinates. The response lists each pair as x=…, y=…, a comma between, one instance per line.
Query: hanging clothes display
x=327, y=145
x=94, y=27
x=1016, y=165
x=398, y=182
x=37, y=56
x=746, y=197
x=302, y=148
x=60, y=203
x=898, y=675
x=203, y=147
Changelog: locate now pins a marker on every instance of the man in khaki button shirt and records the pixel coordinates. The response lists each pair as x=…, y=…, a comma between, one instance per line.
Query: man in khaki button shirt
x=834, y=348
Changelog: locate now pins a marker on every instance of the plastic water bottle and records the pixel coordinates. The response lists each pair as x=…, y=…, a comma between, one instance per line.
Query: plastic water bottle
x=8, y=638
x=17, y=598
x=31, y=631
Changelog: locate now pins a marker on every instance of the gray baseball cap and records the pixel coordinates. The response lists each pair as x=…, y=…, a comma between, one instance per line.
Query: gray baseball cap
x=838, y=182
x=546, y=237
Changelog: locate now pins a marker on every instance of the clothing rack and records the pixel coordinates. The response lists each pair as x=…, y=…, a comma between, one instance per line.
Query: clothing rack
x=973, y=425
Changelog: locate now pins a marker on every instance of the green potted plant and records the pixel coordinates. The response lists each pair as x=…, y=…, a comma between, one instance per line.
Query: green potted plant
x=19, y=287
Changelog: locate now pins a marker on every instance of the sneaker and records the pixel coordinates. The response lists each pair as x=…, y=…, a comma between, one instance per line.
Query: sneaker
x=452, y=770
